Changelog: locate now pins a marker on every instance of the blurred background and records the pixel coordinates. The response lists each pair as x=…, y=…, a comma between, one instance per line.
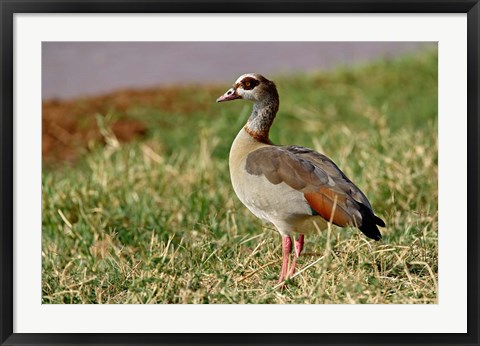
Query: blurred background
x=73, y=69
x=83, y=79
x=137, y=204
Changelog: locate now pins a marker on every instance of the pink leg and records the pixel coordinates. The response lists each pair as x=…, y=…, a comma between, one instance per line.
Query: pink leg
x=299, y=245
x=286, y=250
x=298, y=251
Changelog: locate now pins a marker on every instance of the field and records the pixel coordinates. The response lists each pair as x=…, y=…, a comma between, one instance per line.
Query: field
x=138, y=207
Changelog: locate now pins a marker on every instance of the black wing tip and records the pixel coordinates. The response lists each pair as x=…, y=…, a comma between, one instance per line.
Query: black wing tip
x=379, y=221
x=370, y=222
x=371, y=231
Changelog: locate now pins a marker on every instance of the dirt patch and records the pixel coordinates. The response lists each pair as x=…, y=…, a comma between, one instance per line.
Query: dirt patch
x=70, y=127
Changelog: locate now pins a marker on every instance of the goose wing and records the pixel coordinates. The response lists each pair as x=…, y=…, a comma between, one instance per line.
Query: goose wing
x=326, y=188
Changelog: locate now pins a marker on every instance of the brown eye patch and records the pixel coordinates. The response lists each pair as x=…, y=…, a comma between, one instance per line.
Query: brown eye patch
x=248, y=83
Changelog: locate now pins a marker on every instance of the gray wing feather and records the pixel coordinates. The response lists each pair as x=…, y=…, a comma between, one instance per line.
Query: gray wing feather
x=303, y=169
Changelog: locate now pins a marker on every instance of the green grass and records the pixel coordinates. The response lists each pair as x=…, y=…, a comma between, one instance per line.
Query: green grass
x=157, y=221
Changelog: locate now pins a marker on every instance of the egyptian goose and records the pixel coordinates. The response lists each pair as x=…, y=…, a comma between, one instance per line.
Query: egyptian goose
x=290, y=186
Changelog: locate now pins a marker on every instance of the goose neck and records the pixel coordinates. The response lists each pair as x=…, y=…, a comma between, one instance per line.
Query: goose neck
x=261, y=119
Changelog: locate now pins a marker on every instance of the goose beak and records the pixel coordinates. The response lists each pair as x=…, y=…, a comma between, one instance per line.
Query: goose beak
x=231, y=94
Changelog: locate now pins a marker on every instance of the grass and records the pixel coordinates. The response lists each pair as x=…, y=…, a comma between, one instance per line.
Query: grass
x=156, y=220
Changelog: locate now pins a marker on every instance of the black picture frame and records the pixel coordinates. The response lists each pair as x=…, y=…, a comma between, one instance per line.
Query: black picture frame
x=9, y=8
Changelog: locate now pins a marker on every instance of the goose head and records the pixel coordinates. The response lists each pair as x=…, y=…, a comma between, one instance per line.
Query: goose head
x=251, y=86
